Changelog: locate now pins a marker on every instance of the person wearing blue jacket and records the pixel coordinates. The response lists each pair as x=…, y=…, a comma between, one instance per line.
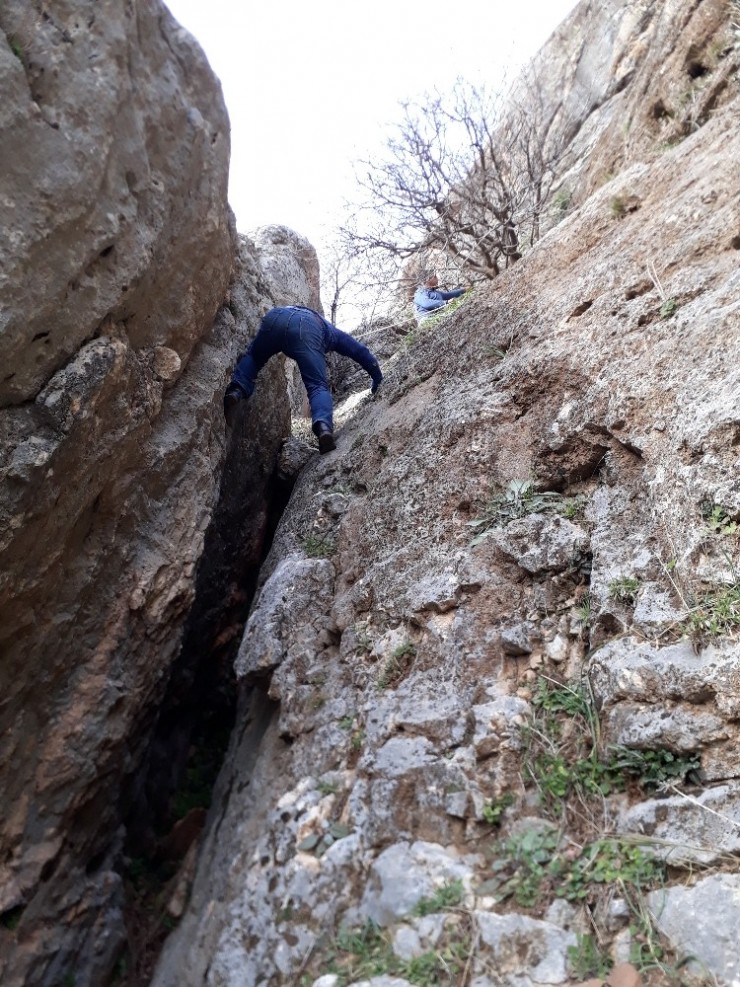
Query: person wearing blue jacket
x=428, y=299
x=306, y=337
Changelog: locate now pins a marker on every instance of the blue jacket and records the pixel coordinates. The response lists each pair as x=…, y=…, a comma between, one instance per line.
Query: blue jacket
x=426, y=300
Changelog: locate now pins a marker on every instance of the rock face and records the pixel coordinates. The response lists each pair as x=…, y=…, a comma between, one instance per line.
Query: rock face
x=114, y=156
x=489, y=526
x=290, y=265
x=124, y=301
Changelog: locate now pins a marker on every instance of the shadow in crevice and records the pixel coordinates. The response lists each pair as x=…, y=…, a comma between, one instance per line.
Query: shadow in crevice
x=165, y=804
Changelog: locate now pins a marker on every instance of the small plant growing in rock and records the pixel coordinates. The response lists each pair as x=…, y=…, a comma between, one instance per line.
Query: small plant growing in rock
x=561, y=201
x=494, y=809
x=533, y=868
x=572, y=507
x=359, y=954
x=517, y=500
x=617, y=206
x=718, y=521
x=450, y=895
x=317, y=547
x=587, y=959
x=363, y=639
x=717, y=613
x=397, y=664
x=653, y=769
x=584, y=610
x=668, y=307
x=328, y=787
x=624, y=589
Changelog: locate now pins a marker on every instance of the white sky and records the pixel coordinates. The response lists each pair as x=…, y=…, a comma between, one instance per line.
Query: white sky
x=311, y=86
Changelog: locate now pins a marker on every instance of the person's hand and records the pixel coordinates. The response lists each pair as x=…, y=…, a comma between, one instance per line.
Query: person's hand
x=377, y=381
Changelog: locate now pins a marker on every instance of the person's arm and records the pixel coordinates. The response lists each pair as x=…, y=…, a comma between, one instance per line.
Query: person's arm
x=446, y=295
x=346, y=345
x=426, y=300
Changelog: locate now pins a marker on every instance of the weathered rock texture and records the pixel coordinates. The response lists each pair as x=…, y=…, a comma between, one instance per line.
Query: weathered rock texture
x=123, y=303
x=405, y=662
x=114, y=156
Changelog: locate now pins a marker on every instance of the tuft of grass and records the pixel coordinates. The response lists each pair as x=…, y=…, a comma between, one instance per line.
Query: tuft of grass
x=584, y=611
x=716, y=614
x=668, y=307
x=565, y=760
x=624, y=589
x=397, y=665
x=516, y=501
x=572, y=507
x=359, y=954
x=561, y=201
x=450, y=895
x=587, y=959
x=328, y=787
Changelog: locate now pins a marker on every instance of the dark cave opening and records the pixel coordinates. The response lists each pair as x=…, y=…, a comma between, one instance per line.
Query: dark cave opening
x=165, y=804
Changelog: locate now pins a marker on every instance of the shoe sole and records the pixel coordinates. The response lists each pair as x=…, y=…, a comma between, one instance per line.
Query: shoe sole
x=326, y=443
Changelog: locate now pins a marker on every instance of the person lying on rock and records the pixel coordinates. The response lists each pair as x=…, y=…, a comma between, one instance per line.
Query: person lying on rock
x=428, y=299
x=306, y=337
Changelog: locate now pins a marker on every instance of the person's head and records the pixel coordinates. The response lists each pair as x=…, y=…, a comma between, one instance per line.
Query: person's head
x=430, y=279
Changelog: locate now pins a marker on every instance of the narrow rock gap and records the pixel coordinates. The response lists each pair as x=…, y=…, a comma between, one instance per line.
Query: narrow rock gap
x=165, y=805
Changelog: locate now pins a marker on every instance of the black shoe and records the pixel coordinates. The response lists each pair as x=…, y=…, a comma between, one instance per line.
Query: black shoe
x=325, y=437
x=232, y=401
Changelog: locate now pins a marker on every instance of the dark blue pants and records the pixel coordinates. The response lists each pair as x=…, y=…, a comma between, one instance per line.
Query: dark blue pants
x=300, y=336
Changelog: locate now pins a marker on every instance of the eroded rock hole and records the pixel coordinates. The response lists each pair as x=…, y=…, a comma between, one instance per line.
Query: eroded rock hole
x=659, y=110
x=580, y=309
x=696, y=69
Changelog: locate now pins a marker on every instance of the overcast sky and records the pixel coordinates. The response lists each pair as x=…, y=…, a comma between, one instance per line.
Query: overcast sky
x=310, y=87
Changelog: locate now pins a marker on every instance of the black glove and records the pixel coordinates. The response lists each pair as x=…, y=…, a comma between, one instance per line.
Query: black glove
x=377, y=380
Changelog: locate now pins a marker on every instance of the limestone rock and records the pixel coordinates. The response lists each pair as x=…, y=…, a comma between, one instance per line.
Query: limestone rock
x=689, y=828
x=404, y=874
x=129, y=196
x=689, y=917
x=541, y=544
x=290, y=265
x=524, y=950
x=277, y=628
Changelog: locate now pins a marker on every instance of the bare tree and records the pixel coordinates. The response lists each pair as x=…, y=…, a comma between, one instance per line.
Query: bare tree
x=356, y=283
x=462, y=176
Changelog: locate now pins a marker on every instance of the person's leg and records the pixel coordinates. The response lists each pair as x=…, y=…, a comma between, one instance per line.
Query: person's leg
x=305, y=345
x=265, y=344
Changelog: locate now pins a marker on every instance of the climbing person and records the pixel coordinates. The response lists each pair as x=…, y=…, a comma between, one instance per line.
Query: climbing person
x=306, y=337
x=428, y=299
